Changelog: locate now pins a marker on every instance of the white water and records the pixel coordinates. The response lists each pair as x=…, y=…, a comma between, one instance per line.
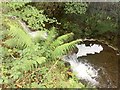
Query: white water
x=84, y=50
x=84, y=71
x=40, y=34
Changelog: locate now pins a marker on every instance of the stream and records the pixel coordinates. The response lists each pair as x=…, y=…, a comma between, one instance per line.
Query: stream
x=95, y=64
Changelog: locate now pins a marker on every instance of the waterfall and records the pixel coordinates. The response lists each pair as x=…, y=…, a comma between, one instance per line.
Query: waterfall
x=84, y=71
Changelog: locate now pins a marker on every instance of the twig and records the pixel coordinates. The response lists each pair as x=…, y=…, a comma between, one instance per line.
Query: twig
x=50, y=70
x=12, y=56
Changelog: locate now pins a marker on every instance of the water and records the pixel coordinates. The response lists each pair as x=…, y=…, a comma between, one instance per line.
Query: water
x=84, y=50
x=100, y=68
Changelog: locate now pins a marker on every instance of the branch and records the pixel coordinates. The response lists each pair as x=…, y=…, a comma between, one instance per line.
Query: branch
x=50, y=70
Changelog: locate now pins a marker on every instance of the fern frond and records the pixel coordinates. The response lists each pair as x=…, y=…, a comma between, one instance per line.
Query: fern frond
x=62, y=39
x=51, y=36
x=66, y=37
x=26, y=65
x=40, y=60
x=64, y=48
x=23, y=66
x=20, y=39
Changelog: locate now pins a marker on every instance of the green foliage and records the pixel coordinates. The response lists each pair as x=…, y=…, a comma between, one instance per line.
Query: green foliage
x=65, y=48
x=62, y=39
x=34, y=18
x=14, y=5
x=25, y=56
x=61, y=44
x=19, y=37
x=73, y=27
x=27, y=65
x=99, y=24
x=33, y=62
x=74, y=84
x=75, y=8
x=90, y=25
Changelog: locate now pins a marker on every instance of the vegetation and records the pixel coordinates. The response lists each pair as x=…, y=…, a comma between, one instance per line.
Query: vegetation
x=75, y=8
x=30, y=61
x=90, y=22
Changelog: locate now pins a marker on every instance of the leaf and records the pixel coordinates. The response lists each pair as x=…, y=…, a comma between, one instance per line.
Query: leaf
x=20, y=38
x=62, y=39
x=40, y=60
x=1, y=80
x=64, y=48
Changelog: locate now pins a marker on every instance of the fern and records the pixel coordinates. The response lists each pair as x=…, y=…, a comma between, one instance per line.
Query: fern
x=51, y=36
x=31, y=64
x=27, y=65
x=20, y=39
x=62, y=39
x=64, y=49
x=55, y=48
x=19, y=64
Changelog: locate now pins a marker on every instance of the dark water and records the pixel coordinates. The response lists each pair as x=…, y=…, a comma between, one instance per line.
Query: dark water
x=107, y=63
